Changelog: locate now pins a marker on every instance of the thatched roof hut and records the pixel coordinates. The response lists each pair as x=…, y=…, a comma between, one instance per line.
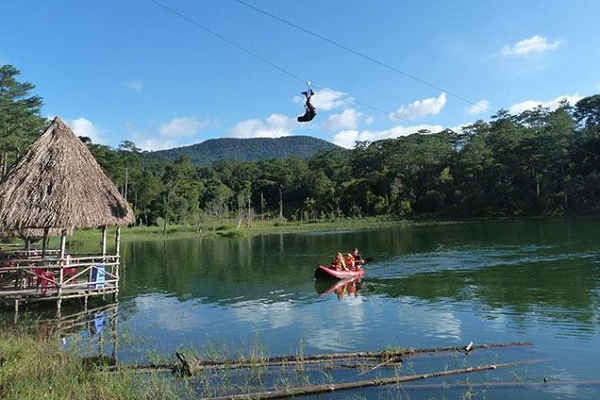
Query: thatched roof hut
x=57, y=184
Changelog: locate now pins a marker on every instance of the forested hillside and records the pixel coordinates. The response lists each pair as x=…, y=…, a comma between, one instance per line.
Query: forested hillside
x=255, y=149
x=538, y=162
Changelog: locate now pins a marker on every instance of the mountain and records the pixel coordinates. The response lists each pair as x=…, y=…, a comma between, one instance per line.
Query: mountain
x=255, y=149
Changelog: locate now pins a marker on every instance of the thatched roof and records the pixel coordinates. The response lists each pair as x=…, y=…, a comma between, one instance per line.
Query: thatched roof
x=58, y=184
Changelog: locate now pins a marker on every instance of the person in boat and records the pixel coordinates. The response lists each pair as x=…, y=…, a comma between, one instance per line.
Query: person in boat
x=358, y=260
x=310, y=110
x=349, y=262
x=339, y=263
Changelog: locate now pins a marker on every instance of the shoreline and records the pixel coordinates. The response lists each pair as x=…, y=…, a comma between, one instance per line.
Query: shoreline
x=228, y=228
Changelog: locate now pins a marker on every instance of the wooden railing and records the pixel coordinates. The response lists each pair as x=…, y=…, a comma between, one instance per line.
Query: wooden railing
x=51, y=272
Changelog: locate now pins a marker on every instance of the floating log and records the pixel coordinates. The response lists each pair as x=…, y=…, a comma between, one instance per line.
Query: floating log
x=199, y=365
x=333, y=387
x=500, y=385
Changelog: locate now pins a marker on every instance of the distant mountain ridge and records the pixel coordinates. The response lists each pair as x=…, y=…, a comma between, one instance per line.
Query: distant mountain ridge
x=255, y=149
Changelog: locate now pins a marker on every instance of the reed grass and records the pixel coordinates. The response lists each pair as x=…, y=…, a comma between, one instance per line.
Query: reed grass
x=34, y=369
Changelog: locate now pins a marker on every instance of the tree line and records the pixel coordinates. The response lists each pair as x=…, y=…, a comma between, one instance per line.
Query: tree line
x=538, y=162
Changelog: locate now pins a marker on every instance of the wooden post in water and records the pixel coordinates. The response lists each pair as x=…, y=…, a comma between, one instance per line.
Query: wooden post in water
x=115, y=333
x=61, y=264
x=104, y=233
x=118, y=260
x=16, y=311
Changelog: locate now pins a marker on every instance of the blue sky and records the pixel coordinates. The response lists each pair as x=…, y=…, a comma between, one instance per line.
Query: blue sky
x=129, y=70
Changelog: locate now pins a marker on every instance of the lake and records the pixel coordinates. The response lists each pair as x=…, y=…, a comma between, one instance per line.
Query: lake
x=427, y=286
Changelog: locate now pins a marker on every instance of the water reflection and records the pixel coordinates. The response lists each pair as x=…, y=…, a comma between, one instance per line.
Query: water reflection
x=341, y=288
x=523, y=267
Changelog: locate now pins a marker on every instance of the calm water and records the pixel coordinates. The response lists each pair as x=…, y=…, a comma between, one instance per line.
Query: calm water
x=428, y=286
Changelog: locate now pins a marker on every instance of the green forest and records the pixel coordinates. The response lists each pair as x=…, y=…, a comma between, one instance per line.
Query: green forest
x=538, y=162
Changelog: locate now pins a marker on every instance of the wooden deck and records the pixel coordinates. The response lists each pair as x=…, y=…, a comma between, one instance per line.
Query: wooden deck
x=33, y=294
x=26, y=277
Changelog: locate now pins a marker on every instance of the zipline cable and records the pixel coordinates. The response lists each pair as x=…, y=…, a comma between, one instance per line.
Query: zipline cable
x=265, y=61
x=231, y=42
x=353, y=51
x=298, y=78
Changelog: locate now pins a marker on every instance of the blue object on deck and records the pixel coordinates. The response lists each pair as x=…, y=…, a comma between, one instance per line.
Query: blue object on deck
x=98, y=276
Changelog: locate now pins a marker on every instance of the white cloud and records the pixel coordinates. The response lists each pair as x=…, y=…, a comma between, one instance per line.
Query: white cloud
x=148, y=142
x=369, y=120
x=552, y=104
x=326, y=99
x=182, y=127
x=85, y=127
x=480, y=107
x=135, y=85
x=349, y=137
x=348, y=119
x=152, y=143
x=179, y=131
x=421, y=108
x=535, y=44
x=276, y=125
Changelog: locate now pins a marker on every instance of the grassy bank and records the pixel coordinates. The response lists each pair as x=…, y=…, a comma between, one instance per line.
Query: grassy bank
x=34, y=369
x=228, y=228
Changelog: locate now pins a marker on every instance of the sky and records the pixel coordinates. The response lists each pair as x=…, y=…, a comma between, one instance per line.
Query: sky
x=132, y=70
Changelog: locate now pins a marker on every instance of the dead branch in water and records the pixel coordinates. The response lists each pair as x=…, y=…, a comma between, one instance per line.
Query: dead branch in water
x=333, y=387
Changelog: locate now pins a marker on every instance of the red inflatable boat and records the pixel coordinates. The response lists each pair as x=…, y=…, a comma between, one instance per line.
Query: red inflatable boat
x=323, y=271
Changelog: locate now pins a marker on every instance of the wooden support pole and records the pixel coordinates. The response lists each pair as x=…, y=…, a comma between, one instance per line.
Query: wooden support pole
x=44, y=242
x=63, y=244
x=117, y=253
x=104, y=232
x=61, y=271
x=118, y=242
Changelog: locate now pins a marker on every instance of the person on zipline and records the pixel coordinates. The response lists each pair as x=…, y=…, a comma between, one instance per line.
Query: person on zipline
x=311, y=111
